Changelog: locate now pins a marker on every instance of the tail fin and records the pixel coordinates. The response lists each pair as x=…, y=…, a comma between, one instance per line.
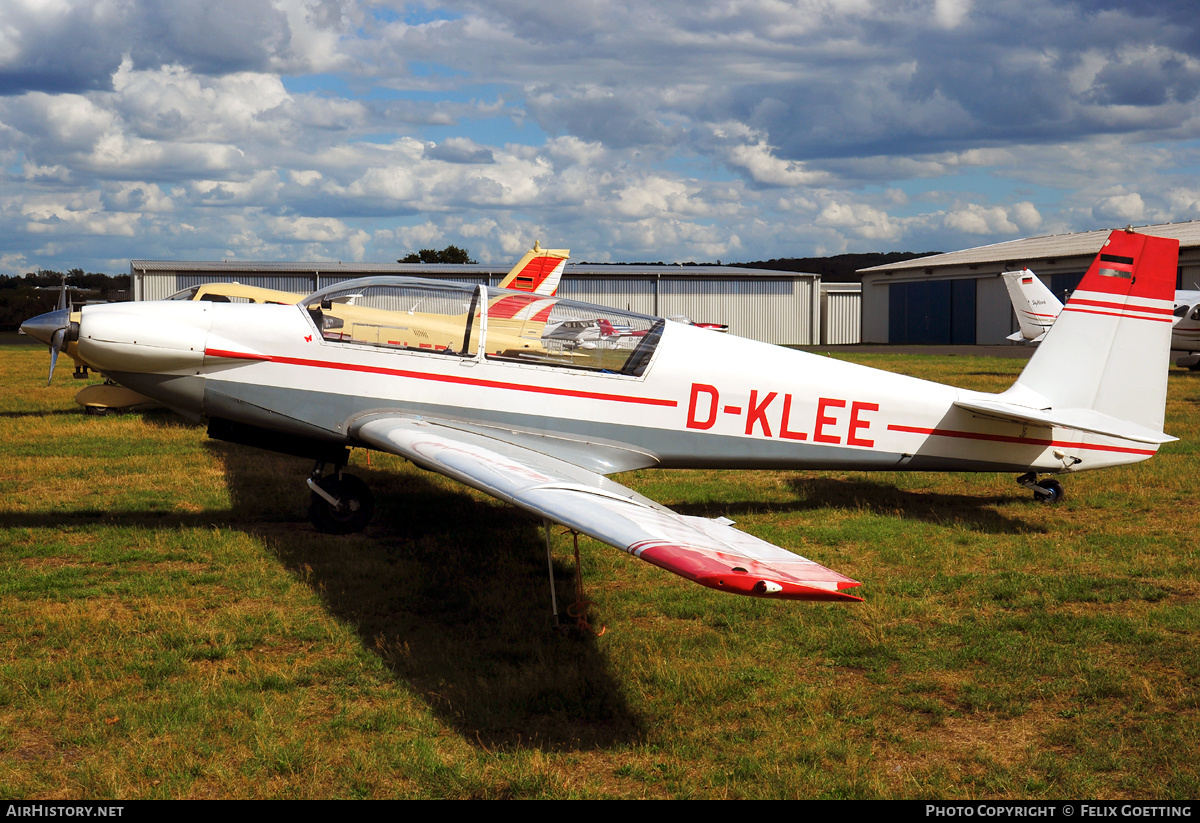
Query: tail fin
x=1035, y=305
x=1109, y=351
x=538, y=271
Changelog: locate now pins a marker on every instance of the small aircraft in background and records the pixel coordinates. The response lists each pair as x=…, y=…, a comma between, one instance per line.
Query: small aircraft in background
x=1035, y=305
x=235, y=292
x=423, y=370
x=687, y=321
x=1037, y=308
x=1185, y=335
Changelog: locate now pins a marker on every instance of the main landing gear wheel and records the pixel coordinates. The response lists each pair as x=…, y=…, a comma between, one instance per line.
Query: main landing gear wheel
x=355, y=505
x=1053, y=492
x=1044, y=491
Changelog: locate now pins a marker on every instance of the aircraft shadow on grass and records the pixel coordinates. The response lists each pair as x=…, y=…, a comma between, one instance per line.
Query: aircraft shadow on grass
x=38, y=414
x=977, y=512
x=451, y=593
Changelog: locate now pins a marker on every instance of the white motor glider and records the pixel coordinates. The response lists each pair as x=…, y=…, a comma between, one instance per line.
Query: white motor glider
x=476, y=384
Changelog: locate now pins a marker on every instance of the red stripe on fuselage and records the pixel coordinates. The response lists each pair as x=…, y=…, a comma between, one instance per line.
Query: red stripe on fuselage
x=1026, y=441
x=443, y=378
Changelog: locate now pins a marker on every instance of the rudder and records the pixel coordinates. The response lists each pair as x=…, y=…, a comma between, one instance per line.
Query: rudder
x=1109, y=350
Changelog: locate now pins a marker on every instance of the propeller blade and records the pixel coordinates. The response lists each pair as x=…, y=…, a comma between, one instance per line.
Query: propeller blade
x=58, y=342
x=50, y=328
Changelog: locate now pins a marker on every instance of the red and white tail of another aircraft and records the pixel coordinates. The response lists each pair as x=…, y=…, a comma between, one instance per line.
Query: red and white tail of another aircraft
x=538, y=272
x=1035, y=305
x=521, y=410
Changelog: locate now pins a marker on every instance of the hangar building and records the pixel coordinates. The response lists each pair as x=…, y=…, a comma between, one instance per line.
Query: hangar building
x=959, y=297
x=772, y=306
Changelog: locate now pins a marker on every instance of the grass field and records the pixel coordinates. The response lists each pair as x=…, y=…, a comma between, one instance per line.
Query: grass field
x=172, y=627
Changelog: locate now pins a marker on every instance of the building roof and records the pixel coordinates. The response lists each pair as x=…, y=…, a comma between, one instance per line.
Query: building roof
x=1052, y=246
x=449, y=269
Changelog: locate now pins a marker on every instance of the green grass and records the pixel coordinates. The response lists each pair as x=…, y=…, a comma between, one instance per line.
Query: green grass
x=172, y=627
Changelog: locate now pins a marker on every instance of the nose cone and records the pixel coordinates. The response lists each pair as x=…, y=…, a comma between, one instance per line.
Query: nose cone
x=144, y=337
x=43, y=327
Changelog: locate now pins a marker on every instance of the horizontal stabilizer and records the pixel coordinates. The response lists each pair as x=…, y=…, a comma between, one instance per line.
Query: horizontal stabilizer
x=1017, y=337
x=1088, y=420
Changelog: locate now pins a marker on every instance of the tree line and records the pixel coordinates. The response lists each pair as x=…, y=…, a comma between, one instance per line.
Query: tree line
x=36, y=293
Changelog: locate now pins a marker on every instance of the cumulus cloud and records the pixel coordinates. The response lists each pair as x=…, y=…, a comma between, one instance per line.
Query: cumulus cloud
x=860, y=219
x=77, y=45
x=759, y=163
x=975, y=219
x=671, y=130
x=1128, y=207
x=459, y=150
x=1026, y=215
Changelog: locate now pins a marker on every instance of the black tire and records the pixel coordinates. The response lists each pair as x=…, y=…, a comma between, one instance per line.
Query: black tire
x=354, y=513
x=1055, y=490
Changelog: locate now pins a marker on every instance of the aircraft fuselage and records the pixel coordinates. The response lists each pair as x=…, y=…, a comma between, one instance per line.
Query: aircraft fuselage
x=702, y=400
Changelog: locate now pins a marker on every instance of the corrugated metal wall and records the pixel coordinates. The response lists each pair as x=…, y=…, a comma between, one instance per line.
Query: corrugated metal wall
x=1189, y=276
x=629, y=293
x=775, y=310
x=161, y=285
x=841, y=317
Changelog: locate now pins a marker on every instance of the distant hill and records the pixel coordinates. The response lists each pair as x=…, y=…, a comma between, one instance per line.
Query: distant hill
x=841, y=268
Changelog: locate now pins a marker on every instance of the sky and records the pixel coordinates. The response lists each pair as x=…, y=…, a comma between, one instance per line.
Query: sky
x=673, y=130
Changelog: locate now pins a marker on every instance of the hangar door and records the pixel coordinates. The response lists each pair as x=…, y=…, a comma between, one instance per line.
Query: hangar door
x=932, y=312
x=1063, y=283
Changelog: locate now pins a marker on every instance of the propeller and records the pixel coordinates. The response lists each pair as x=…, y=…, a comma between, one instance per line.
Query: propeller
x=54, y=328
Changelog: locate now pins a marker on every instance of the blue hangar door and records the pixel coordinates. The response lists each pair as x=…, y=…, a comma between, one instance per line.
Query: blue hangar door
x=932, y=312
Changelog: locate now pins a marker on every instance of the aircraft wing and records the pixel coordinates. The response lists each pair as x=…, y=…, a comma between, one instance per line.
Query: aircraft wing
x=708, y=552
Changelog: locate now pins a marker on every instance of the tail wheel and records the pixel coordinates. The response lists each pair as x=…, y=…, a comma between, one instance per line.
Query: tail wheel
x=1053, y=492
x=355, y=506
